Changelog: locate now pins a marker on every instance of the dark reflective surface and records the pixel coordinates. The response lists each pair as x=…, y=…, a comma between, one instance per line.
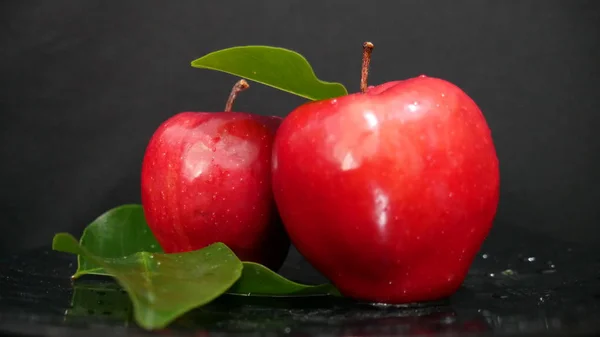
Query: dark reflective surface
x=518, y=285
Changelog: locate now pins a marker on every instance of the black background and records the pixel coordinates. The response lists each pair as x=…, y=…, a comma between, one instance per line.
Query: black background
x=85, y=84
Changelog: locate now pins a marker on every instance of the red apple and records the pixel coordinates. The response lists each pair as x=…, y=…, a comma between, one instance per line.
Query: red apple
x=389, y=192
x=206, y=178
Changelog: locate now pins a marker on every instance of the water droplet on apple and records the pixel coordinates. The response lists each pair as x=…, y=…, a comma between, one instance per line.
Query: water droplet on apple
x=443, y=95
x=450, y=195
x=422, y=76
x=334, y=101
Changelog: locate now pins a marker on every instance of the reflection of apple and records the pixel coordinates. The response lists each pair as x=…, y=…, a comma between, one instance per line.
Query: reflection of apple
x=390, y=192
x=206, y=177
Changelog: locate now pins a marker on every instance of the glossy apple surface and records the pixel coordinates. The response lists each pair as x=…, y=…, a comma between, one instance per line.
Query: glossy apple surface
x=206, y=177
x=391, y=192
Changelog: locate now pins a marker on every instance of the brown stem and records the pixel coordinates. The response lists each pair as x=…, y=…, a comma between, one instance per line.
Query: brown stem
x=364, y=74
x=239, y=86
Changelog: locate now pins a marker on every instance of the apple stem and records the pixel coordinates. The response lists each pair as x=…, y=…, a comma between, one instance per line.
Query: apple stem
x=364, y=74
x=239, y=86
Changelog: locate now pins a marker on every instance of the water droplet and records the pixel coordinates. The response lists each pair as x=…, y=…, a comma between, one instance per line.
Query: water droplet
x=287, y=329
x=500, y=296
x=530, y=259
x=450, y=195
x=334, y=101
x=508, y=272
x=484, y=256
x=390, y=282
x=443, y=95
x=492, y=275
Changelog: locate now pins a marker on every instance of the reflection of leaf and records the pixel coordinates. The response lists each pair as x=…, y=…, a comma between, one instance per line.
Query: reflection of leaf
x=100, y=299
x=119, y=232
x=279, y=68
x=258, y=280
x=161, y=286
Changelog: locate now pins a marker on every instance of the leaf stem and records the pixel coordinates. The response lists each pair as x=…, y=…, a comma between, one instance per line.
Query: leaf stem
x=366, y=60
x=239, y=86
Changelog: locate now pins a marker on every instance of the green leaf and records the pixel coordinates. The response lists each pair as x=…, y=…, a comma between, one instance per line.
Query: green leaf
x=279, y=68
x=161, y=286
x=123, y=231
x=258, y=280
x=119, y=232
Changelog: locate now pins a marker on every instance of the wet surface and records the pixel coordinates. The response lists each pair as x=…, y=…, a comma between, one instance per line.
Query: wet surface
x=529, y=286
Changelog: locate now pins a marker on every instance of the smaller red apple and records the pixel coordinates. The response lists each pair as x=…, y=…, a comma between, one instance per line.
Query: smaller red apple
x=206, y=178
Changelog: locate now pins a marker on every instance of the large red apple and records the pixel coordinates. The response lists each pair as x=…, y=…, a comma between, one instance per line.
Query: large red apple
x=391, y=191
x=206, y=178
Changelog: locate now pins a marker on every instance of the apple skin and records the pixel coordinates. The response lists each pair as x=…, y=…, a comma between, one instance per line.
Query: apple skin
x=206, y=178
x=388, y=193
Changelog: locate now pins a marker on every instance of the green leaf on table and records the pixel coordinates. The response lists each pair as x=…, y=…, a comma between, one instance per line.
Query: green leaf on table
x=276, y=67
x=119, y=232
x=258, y=280
x=161, y=286
x=123, y=231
